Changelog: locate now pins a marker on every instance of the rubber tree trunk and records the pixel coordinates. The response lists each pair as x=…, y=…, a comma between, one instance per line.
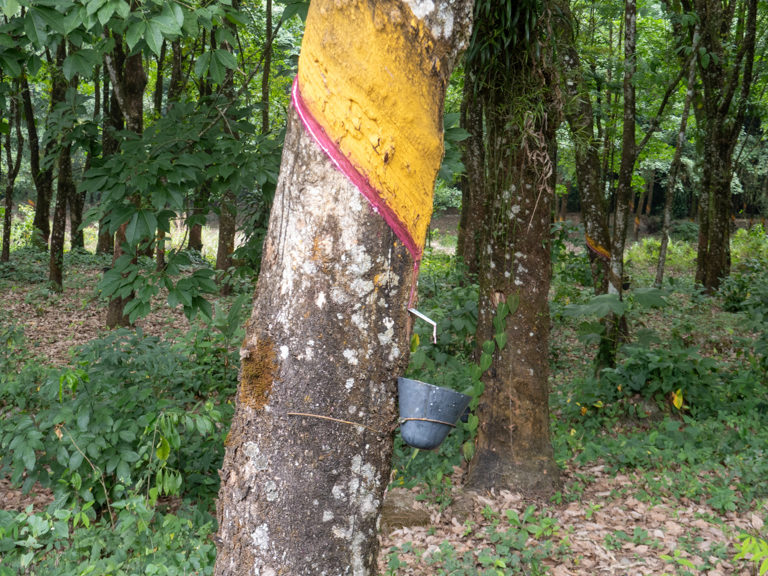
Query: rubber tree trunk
x=43, y=178
x=112, y=123
x=513, y=449
x=64, y=188
x=594, y=207
x=227, y=230
x=728, y=36
x=308, y=455
x=65, y=185
x=14, y=165
x=472, y=198
x=128, y=87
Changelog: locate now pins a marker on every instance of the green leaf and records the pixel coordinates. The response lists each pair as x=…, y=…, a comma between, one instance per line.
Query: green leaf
x=501, y=340
x=163, y=449
x=10, y=7
x=201, y=64
x=141, y=227
x=123, y=9
x=81, y=63
x=650, y=297
x=28, y=457
x=226, y=58
x=10, y=65
x=94, y=6
x=135, y=33
x=53, y=18
x=468, y=450
x=83, y=419
x=154, y=36
x=295, y=8
x=105, y=13
x=485, y=361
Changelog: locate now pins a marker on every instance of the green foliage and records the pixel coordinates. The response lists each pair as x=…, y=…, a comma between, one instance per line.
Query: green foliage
x=746, y=289
x=184, y=150
x=513, y=543
x=22, y=227
x=446, y=197
x=668, y=374
x=452, y=166
x=570, y=269
x=72, y=540
x=67, y=435
x=755, y=549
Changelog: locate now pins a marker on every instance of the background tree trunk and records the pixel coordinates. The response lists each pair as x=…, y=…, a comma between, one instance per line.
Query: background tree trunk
x=128, y=88
x=473, y=158
x=308, y=455
x=728, y=36
x=594, y=207
x=64, y=188
x=43, y=178
x=521, y=112
x=13, y=165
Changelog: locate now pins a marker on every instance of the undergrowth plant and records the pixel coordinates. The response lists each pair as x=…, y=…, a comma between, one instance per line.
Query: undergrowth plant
x=133, y=486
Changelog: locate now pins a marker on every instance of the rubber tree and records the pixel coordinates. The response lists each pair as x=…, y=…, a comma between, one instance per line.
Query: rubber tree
x=308, y=455
x=725, y=61
x=579, y=114
x=128, y=80
x=13, y=165
x=516, y=84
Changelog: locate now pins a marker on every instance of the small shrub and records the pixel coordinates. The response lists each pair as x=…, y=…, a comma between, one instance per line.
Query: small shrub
x=446, y=197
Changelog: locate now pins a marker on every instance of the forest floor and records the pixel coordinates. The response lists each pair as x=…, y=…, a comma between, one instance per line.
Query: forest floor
x=601, y=523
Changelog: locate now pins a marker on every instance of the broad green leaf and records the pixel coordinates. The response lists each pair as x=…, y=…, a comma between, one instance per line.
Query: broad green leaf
x=10, y=65
x=122, y=8
x=485, y=361
x=135, y=33
x=105, y=13
x=226, y=58
x=154, y=36
x=168, y=21
x=52, y=18
x=35, y=30
x=80, y=63
x=83, y=419
x=163, y=449
x=94, y=6
x=201, y=65
x=10, y=7
x=141, y=227
x=71, y=21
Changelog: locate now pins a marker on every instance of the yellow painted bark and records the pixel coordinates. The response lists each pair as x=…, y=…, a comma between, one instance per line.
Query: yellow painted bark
x=369, y=75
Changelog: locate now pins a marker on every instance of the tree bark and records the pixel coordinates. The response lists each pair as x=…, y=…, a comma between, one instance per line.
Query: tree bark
x=473, y=158
x=43, y=179
x=728, y=36
x=267, y=66
x=308, y=455
x=112, y=123
x=521, y=110
x=64, y=183
x=227, y=230
x=65, y=187
x=594, y=208
x=13, y=165
x=128, y=88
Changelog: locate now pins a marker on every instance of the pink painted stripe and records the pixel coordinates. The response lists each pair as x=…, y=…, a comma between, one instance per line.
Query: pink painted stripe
x=355, y=176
